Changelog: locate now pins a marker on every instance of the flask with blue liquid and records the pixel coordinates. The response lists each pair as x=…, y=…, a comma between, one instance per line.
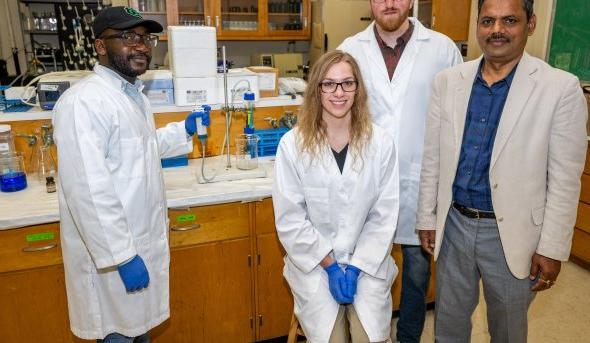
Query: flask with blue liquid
x=12, y=173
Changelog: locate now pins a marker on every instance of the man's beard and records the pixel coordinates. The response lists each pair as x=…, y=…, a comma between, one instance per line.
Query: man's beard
x=393, y=23
x=122, y=63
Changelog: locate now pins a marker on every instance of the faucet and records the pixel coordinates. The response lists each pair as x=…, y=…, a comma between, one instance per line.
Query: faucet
x=31, y=139
x=47, y=135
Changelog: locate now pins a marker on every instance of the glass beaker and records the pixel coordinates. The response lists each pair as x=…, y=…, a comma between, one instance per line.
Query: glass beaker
x=12, y=173
x=247, y=151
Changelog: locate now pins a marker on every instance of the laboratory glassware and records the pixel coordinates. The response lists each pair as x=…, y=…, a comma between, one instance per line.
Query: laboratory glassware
x=247, y=151
x=12, y=173
x=6, y=140
x=46, y=166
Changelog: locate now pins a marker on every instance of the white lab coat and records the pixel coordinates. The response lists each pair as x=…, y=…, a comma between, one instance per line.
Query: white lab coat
x=112, y=205
x=400, y=105
x=353, y=214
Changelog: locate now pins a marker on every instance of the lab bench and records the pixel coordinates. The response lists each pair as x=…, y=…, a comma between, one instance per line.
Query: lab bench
x=226, y=280
x=226, y=263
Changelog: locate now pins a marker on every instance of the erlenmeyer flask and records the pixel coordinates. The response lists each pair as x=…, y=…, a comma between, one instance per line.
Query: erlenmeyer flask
x=46, y=165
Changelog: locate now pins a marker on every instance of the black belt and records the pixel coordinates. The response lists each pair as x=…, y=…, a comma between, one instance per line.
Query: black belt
x=473, y=212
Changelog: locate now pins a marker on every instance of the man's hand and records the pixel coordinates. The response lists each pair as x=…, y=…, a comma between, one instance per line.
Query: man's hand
x=134, y=274
x=427, y=238
x=547, y=269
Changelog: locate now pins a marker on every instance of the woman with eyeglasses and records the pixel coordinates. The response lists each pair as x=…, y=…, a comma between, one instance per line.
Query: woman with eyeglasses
x=335, y=197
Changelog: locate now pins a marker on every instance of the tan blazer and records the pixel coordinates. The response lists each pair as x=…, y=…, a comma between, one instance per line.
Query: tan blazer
x=536, y=163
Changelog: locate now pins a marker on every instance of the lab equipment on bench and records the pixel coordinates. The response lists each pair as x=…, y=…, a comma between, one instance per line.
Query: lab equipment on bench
x=13, y=177
x=215, y=167
x=249, y=110
x=158, y=87
x=6, y=140
x=192, y=51
x=52, y=85
x=236, y=82
x=247, y=151
x=195, y=90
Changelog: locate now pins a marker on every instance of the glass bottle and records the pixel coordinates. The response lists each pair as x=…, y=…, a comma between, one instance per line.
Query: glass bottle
x=46, y=166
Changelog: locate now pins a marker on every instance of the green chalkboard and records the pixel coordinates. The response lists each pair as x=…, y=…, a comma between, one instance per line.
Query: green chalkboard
x=570, y=38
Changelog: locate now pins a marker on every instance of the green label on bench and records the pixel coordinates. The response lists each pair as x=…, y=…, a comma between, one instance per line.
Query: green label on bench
x=44, y=236
x=186, y=218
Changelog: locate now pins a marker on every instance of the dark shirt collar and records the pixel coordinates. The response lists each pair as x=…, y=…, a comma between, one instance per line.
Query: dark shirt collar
x=401, y=40
x=508, y=79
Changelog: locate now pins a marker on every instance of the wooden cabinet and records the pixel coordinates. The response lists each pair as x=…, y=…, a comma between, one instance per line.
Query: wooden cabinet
x=448, y=17
x=210, y=292
x=210, y=276
x=32, y=286
x=274, y=302
x=581, y=241
x=243, y=19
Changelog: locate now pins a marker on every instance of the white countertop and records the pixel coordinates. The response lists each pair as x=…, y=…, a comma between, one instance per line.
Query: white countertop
x=34, y=205
x=36, y=113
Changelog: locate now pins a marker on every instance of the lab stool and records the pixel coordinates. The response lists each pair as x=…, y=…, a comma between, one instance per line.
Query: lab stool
x=294, y=330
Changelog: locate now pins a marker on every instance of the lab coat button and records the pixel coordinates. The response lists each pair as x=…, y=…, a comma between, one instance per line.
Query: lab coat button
x=495, y=186
x=500, y=219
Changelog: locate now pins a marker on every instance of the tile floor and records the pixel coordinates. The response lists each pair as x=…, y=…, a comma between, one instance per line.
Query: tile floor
x=561, y=314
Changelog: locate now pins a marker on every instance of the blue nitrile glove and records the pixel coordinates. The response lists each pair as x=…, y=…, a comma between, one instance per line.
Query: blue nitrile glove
x=337, y=283
x=190, y=123
x=134, y=274
x=351, y=275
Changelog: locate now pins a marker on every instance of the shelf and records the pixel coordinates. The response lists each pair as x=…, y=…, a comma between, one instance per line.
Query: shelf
x=239, y=13
x=191, y=13
x=41, y=32
x=153, y=13
x=285, y=14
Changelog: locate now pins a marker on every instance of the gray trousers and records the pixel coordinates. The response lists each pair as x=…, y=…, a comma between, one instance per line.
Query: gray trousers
x=471, y=250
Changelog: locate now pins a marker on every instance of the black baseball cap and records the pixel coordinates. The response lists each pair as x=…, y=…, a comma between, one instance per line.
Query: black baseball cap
x=122, y=18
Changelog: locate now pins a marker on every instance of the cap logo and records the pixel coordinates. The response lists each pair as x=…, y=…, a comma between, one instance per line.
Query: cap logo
x=133, y=12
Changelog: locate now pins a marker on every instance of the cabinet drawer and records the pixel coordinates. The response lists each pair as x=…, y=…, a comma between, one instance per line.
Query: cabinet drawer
x=30, y=247
x=581, y=245
x=196, y=225
x=583, y=219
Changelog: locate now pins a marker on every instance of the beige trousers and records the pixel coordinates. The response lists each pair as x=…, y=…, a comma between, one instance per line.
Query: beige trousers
x=348, y=327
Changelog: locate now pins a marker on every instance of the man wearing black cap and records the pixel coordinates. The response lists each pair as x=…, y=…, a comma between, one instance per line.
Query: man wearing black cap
x=111, y=191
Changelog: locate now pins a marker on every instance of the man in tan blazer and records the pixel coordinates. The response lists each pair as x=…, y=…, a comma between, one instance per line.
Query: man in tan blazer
x=504, y=151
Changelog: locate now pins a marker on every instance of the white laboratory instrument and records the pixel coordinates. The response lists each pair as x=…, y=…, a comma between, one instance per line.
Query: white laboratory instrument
x=192, y=51
x=239, y=80
x=189, y=91
x=52, y=85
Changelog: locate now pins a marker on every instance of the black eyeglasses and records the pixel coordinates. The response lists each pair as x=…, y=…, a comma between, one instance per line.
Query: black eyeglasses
x=132, y=39
x=331, y=86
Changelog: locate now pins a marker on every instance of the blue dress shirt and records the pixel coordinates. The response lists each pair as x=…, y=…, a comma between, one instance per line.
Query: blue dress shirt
x=471, y=187
x=131, y=90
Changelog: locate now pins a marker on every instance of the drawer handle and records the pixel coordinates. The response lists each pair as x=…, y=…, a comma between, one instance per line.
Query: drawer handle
x=181, y=208
x=43, y=248
x=185, y=228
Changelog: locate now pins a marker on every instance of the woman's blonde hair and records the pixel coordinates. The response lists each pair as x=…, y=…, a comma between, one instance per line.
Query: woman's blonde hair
x=311, y=126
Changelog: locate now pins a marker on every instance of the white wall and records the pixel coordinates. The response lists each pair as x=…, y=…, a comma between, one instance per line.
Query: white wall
x=537, y=44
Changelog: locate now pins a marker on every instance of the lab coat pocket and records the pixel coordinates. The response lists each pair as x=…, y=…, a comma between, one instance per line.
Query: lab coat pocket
x=132, y=158
x=317, y=201
x=538, y=214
